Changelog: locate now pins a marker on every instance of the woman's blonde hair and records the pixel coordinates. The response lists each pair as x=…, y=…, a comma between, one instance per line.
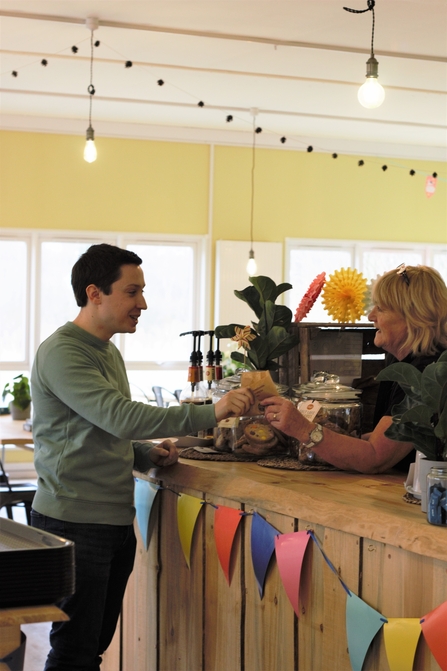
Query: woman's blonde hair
x=419, y=294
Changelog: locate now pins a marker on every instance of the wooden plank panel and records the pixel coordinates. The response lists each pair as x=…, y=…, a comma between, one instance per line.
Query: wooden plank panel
x=181, y=592
x=322, y=629
x=401, y=584
x=269, y=641
x=223, y=601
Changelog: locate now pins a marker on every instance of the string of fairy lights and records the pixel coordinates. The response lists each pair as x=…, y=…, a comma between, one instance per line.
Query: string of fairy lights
x=229, y=115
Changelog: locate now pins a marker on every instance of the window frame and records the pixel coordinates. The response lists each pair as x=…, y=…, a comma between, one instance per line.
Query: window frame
x=34, y=238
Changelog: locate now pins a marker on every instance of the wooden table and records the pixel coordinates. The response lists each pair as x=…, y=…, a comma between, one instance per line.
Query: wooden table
x=13, y=433
x=12, y=618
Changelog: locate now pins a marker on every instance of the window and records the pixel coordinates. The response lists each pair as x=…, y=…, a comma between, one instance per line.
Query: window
x=40, y=299
x=307, y=258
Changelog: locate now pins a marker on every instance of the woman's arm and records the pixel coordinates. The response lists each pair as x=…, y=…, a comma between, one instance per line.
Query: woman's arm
x=374, y=455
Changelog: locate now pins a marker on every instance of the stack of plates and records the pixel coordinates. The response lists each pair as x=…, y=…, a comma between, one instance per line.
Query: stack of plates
x=36, y=567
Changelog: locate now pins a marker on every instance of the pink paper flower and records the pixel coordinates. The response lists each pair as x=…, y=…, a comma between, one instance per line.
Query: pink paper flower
x=310, y=297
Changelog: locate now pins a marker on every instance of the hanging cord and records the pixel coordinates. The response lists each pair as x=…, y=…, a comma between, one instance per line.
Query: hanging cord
x=252, y=182
x=370, y=7
x=91, y=88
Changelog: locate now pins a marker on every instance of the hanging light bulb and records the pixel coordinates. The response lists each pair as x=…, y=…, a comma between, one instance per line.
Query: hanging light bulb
x=252, y=268
x=371, y=94
x=90, y=153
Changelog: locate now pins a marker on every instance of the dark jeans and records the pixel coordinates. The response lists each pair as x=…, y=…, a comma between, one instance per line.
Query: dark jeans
x=104, y=556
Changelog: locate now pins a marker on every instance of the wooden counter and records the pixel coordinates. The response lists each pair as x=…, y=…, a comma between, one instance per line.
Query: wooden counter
x=180, y=619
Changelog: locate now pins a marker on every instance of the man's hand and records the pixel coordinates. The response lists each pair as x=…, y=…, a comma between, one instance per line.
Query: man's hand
x=164, y=454
x=234, y=404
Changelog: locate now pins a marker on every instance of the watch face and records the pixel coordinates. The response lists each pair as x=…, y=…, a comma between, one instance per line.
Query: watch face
x=316, y=435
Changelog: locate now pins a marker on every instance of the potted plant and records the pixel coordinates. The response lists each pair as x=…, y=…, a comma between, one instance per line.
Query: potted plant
x=19, y=389
x=421, y=418
x=268, y=338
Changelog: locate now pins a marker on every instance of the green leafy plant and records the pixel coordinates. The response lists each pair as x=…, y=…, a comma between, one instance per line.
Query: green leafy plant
x=421, y=418
x=20, y=391
x=269, y=337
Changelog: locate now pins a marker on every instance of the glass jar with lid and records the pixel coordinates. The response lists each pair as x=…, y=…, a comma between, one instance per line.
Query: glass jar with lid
x=251, y=434
x=333, y=405
x=436, y=496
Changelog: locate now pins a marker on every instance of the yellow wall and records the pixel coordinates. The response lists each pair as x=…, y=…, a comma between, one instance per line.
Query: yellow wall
x=162, y=187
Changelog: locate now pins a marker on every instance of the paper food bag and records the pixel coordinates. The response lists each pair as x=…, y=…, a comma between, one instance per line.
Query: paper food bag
x=262, y=386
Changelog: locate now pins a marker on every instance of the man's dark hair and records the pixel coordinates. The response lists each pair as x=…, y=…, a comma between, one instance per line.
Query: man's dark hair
x=100, y=265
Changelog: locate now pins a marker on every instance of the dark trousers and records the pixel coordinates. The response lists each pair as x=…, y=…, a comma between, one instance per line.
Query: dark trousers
x=104, y=556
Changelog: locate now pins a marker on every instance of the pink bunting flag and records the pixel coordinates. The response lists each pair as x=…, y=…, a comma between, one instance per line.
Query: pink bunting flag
x=434, y=628
x=226, y=522
x=362, y=624
x=289, y=550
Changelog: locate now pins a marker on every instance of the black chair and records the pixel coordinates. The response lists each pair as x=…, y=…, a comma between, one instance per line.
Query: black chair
x=15, y=494
x=160, y=399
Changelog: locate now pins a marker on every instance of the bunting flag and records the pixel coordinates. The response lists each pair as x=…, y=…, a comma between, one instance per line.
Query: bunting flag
x=434, y=628
x=362, y=624
x=145, y=493
x=401, y=636
x=289, y=550
x=188, y=509
x=226, y=522
x=262, y=547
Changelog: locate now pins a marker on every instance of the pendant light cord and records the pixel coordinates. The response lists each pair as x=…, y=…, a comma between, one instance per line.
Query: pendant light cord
x=91, y=88
x=370, y=8
x=252, y=182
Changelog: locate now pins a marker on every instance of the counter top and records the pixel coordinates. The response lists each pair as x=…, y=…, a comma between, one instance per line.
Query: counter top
x=370, y=506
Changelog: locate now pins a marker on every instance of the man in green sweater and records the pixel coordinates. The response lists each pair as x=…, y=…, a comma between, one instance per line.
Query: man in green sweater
x=86, y=430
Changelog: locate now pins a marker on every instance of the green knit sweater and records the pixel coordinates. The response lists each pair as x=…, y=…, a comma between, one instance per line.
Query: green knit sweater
x=84, y=425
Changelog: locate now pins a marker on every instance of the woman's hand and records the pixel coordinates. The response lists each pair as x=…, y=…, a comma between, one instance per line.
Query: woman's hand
x=164, y=454
x=234, y=404
x=283, y=415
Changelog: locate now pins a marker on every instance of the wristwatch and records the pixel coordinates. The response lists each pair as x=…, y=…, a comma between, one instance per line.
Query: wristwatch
x=315, y=437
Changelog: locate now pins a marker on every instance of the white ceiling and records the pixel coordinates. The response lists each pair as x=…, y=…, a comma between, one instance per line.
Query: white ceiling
x=299, y=62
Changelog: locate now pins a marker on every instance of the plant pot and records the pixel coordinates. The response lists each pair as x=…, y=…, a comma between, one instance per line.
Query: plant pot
x=19, y=413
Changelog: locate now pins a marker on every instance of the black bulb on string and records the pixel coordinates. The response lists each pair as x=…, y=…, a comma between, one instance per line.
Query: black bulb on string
x=97, y=43
x=258, y=129
x=435, y=174
x=384, y=167
x=14, y=73
x=74, y=49
x=334, y=155
x=360, y=163
x=128, y=64
x=229, y=118
x=310, y=148
x=91, y=89
x=201, y=103
x=160, y=82
x=44, y=62
x=412, y=172
x=283, y=140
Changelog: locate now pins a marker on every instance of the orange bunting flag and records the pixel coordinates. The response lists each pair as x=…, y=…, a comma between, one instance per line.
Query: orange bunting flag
x=188, y=509
x=226, y=522
x=434, y=628
x=289, y=550
x=401, y=636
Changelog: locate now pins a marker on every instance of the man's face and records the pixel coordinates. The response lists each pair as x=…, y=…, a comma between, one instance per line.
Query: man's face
x=119, y=311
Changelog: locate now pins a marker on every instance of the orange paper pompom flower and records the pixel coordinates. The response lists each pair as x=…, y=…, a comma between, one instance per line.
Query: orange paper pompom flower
x=310, y=297
x=344, y=295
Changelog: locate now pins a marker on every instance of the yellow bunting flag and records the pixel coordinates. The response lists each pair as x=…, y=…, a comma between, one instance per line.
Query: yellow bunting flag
x=188, y=509
x=401, y=637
